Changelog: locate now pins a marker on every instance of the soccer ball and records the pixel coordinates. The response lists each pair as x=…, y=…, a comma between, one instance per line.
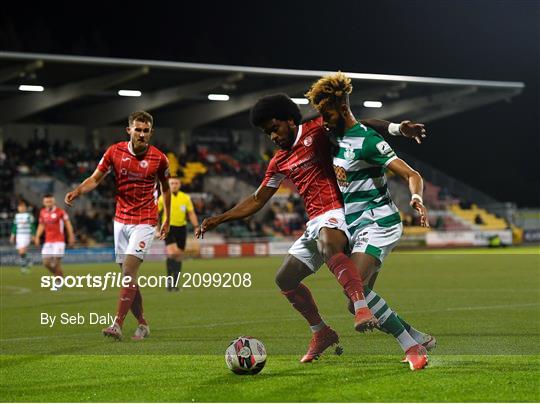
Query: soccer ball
x=246, y=356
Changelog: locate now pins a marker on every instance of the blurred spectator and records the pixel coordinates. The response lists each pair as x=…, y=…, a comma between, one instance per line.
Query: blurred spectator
x=478, y=219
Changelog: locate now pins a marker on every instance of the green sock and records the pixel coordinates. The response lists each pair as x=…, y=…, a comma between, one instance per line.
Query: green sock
x=388, y=321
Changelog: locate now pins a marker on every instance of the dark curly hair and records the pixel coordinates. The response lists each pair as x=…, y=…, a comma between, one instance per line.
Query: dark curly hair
x=278, y=106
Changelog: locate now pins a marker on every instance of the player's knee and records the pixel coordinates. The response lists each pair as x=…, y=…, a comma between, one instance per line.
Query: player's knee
x=329, y=249
x=284, y=282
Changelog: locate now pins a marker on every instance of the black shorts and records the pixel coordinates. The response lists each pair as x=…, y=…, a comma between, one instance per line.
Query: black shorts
x=177, y=234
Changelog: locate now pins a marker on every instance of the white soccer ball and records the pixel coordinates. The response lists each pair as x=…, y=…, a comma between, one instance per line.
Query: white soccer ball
x=246, y=356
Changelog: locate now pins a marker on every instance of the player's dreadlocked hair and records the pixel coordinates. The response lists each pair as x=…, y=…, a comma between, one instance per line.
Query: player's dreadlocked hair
x=329, y=91
x=277, y=106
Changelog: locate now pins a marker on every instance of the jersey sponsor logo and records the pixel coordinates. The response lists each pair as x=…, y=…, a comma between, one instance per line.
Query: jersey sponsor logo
x=123, y=171
x=308, y=141
x=125, y=158
x=143, y=163
x=383, y=147
x=341, y=176
x=349, y=153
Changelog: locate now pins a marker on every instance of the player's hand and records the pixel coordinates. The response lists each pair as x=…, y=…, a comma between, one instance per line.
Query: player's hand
x=36, y=241
x=208, y=224
x=71, y=196
x=411, y=130
x=12, y=239
x=196, y=231
x=420, y=208
x=164, y=230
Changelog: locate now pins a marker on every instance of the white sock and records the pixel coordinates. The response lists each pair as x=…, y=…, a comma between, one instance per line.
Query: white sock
x=359, y=304
x=406, y=340
x=318, y=327
x=419, y=336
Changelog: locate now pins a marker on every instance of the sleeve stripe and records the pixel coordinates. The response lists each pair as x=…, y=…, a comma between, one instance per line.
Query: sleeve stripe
x=275, y=180
x=390, y=160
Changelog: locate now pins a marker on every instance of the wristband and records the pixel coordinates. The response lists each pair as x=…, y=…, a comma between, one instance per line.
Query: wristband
x=416, y=196
x=393, y=129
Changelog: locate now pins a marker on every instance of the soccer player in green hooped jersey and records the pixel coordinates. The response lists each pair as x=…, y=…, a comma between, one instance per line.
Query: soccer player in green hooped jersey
x=372, y=218
x=22, y=233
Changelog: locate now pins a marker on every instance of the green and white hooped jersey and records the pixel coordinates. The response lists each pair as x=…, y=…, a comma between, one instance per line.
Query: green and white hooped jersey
x=23, y=223
x=360, y=164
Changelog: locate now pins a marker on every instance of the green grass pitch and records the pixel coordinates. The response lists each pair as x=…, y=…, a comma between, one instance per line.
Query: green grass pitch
x=484, y=309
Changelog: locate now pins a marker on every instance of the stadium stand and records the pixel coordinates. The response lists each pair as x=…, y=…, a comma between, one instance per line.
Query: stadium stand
x=209, y=176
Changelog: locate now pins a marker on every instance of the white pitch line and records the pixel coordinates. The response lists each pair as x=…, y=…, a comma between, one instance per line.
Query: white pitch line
x=18, y=290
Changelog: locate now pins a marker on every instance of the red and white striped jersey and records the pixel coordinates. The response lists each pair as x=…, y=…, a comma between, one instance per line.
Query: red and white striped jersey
x=136, y=181
x=309, y=166
x=53, y=221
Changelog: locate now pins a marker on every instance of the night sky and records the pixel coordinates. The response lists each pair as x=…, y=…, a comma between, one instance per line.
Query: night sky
x=494, y=148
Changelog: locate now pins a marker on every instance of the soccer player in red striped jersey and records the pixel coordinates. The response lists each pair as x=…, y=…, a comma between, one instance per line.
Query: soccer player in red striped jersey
x=305, y=158
x=137, y=168
x=52, y=222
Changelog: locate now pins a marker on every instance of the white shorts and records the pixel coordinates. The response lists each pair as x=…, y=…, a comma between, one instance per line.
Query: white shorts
x=132, y=239
x=54, y=249
x=305, y=248
x=22, y=240
x=375, y=240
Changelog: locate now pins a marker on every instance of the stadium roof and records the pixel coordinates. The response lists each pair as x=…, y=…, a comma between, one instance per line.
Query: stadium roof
x=84, y=91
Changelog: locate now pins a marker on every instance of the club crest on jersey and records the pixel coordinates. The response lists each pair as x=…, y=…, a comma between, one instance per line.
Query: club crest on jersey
x=53, y=215
x=333, y=220
x=142, y=244
x=143, y=163
x=349, y=153
x=308, y=141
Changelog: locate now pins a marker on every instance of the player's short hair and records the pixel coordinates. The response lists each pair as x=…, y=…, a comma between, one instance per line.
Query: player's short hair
x=329, y=91
x=278, y=106
x=22, y=201
x=141, y=116
x=48, y=195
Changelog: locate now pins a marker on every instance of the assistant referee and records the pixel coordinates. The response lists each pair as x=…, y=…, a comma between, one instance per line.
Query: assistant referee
x=181, y=206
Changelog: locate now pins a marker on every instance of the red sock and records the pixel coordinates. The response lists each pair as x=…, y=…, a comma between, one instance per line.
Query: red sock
x=137, y=307
x=127, y=295
x=302, y=300
x=347, y=275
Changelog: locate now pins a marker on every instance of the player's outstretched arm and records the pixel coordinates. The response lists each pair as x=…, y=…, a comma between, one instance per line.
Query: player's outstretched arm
x=86, y=186
x=416, y=186
x=249, y=206
x=411, y=130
